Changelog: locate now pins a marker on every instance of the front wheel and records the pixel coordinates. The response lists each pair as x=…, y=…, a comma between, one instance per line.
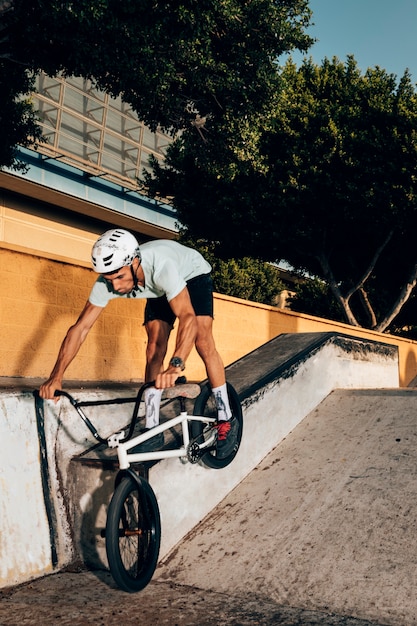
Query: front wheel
x=133, y=534
x=205, y=405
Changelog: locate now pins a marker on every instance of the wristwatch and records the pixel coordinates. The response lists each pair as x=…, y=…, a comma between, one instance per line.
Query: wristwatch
x=177, y=361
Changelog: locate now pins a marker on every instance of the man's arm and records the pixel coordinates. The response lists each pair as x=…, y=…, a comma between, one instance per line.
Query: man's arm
x=69, y=348
x=186, y=336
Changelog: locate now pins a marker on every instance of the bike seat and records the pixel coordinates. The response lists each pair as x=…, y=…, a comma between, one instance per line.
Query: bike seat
x=187, y=390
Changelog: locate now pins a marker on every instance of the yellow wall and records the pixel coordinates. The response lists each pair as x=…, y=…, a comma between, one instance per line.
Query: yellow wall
x=242, y=326
x=42, y=298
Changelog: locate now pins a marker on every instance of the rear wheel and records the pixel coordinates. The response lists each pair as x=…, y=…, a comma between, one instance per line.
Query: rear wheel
x=133, y=534
x=205, y=405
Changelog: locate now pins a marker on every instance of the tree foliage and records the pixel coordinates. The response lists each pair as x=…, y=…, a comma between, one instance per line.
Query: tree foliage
x=343, y=154
x=18, y=122
x=314, y=297
x=246, y=278
x=177, y=64
x=331, y=186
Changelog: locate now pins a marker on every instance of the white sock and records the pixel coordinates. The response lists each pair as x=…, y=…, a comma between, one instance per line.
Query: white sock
x=221, y=398
x=152, y=398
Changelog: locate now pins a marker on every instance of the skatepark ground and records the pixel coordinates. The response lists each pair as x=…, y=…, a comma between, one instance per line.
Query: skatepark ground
x=321, y=532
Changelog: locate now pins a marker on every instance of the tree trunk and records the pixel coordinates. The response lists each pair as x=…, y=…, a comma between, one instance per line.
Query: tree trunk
x=359, y=287
x=368, y=307
x=343, y=302
x=405, y=293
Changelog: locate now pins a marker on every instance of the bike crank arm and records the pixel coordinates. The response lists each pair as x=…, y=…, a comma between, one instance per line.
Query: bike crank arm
x=196, y=450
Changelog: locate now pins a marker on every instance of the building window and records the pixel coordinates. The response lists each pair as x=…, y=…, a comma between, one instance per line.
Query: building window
x=94, y=132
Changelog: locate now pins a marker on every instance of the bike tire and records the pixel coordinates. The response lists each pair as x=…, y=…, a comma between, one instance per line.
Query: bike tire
x=205, y=405
x=133, y=534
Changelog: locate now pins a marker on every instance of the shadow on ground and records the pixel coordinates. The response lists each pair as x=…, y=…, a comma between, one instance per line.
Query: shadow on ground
x=86, y=597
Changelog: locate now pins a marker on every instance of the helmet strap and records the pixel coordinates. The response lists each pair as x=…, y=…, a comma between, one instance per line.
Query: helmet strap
x=134, y=277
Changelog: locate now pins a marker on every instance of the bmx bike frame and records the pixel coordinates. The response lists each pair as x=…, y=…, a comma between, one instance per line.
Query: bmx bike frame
x=123, y=442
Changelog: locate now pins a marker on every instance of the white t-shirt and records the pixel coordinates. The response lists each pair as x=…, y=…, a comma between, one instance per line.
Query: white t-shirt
x=167, y=266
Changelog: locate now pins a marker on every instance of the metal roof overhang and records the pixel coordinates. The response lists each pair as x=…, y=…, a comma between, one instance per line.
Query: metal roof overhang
x=56, y=183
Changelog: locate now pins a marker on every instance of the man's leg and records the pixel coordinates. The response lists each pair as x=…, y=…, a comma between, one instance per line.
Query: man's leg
x=206, y=348
x=201, y=294
x=158, y=334
x=227, y=428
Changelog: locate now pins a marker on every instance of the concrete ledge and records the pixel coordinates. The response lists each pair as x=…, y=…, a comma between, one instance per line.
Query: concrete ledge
x=282, y=356
x=36, y=535
x=279, y=384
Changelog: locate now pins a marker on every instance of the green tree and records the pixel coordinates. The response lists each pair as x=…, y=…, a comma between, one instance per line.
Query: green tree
x=246, y=278
x=331, y=187
x=179, y=65
x=343, y=155
x=18, y=122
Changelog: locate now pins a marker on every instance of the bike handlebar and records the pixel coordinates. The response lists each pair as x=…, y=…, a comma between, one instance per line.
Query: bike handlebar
x=78, y=404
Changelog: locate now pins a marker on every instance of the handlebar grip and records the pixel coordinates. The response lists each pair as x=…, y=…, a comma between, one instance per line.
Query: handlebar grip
x=61, y=392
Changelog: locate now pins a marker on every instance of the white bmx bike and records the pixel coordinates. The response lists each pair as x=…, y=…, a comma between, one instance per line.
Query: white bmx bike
x=133, y=525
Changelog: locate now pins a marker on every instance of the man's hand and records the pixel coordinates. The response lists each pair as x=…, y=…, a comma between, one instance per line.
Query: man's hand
x=47, y=389
x=168, y=377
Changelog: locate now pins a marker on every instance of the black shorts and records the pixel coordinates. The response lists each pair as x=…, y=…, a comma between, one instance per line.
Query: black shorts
x=200, y=289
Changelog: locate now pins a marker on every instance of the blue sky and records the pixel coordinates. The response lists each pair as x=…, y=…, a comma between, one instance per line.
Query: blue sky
x=376, y=32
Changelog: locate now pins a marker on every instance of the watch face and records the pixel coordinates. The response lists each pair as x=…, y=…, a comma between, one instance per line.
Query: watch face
x=176, y=361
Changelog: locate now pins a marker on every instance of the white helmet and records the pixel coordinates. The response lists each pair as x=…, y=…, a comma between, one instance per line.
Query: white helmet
x=115, y=249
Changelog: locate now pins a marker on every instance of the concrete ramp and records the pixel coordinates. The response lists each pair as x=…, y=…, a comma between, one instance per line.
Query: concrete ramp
x=278, y=384
x=327, y=521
